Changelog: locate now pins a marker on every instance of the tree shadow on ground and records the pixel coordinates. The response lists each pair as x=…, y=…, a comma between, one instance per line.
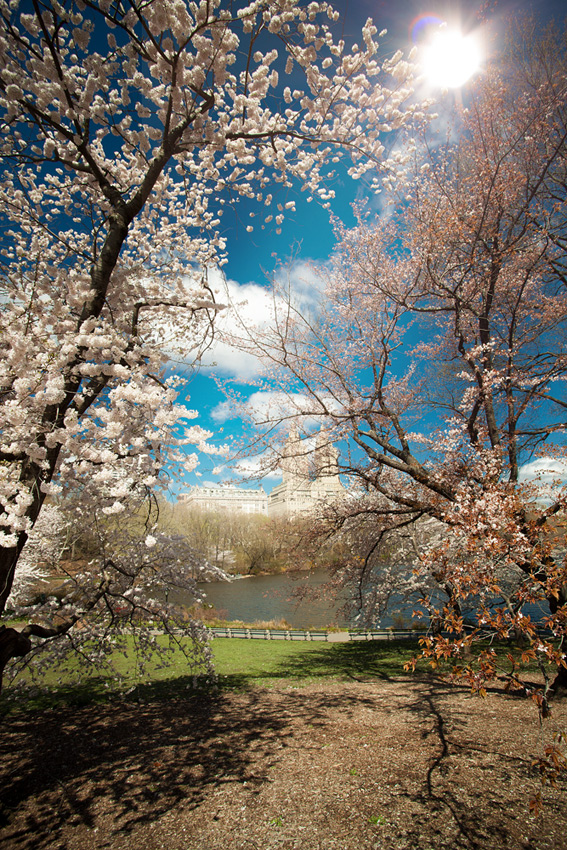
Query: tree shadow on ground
x=135, y=761
x=140, y=761
x=358, y=661
x=438, y=794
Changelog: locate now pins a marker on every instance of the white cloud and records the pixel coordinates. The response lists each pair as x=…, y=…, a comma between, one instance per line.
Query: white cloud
x=544, y=470
x=267, y=406
x=304, y=281
x=257, y=468
x=251, y=309
x=548, y=475
x=224, y=412
x=249, y=306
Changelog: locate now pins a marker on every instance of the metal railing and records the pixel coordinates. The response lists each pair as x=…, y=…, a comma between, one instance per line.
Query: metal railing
x=311, y=634
x=267, y=634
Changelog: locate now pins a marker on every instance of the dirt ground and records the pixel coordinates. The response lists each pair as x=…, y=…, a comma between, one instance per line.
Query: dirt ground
x=339, y=766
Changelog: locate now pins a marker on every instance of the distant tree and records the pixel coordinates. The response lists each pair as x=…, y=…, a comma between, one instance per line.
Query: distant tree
x=236, y=541
x=127, y=127
x=211, y=533
x=255, y=549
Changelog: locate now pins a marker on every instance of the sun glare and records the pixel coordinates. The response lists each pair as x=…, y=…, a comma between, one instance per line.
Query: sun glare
x=449, y=58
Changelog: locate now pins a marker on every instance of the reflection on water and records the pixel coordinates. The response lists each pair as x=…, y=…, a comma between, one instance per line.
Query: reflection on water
x=272, y=598
x=278, y=597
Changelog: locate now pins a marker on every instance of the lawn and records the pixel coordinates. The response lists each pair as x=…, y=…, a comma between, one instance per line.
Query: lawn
x=247, y=662
x=239, y=664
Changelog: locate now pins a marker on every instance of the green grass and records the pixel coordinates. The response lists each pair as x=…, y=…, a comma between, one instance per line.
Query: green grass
x=244, y=663
x=239, y=664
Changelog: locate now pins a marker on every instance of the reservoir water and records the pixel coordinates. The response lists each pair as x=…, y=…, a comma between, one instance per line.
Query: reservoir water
x=274, y=597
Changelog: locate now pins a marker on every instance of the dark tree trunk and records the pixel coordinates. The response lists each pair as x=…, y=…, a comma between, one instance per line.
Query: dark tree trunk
x=8, y=562
x=12, y=644
x=559, y=684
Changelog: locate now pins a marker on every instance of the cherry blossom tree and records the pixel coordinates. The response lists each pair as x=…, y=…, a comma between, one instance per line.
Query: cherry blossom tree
x=115, y=597
x=437, y=360
x=128, y=128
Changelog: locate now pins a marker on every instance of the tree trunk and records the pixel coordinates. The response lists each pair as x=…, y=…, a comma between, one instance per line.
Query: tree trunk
x=8, y=562
x=559, y=684
x=12, y=644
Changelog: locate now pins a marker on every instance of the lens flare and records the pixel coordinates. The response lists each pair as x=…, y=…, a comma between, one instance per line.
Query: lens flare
x=420, y=26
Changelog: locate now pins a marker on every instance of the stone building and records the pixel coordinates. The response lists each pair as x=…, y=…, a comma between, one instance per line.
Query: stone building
x=227, y=499
x=309, y=477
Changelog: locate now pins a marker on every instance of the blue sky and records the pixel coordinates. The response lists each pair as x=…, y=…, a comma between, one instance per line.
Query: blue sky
x=307, y=234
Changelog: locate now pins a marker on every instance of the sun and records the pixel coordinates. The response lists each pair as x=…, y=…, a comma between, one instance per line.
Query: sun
x=449, y=58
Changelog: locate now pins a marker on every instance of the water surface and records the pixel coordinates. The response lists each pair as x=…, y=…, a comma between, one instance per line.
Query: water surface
x=273, y=598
